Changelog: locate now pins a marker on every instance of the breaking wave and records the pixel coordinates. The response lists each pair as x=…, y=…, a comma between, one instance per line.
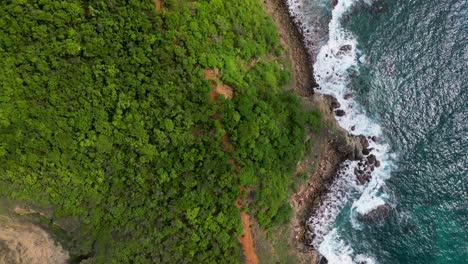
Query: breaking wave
x=337, y=60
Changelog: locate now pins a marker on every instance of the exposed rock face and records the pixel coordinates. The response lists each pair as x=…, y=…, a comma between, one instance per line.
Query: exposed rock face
x=364, y=142
x=334, y=104
x=348, y=145
x=378, y=213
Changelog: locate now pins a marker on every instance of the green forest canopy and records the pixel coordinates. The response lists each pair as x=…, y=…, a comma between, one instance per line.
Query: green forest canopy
x=105, y=115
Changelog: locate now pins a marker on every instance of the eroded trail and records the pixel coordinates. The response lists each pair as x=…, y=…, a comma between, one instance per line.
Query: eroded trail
x=246, y=239
x=157, y=5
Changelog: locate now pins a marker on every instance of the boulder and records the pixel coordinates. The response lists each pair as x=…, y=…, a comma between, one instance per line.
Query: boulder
x=340, y=112
x=364, y=178
x=365, y=151
x=377, y=163
x=371, y=159
x=323, y=260
x=378, y=213
x=348, y=96
x=346, y=48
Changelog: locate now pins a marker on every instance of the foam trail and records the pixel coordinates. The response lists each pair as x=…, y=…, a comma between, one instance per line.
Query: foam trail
x=334, y=63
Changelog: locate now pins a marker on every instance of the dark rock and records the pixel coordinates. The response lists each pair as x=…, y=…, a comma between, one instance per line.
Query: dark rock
x=377, y=163
x=348, y=96
x=365, y=151
x=378, y=213
x=364, y=178
x=371, y=159
x=348, y=146
x=346, y=48
x=364, y=142
x=334, y=104
x=308, y=238
x=374, y=138
x=323, y=260
x=310, y=227
x=340, y=112
x=353, y=128
x=334, y=2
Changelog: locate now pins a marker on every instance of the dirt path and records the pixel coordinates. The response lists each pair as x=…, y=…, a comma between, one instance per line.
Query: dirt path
x=157, y=5
x=246, y=239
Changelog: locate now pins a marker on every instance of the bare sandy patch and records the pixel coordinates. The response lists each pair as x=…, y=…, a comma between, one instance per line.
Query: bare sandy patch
x=211, y=74
x=22, y=243
x=219, y=87
x=223, y=89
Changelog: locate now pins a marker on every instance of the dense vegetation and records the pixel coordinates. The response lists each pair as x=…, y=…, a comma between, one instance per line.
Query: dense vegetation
x=105, y=115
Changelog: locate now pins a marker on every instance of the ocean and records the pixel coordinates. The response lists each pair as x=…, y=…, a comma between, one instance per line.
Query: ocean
x=399, y=71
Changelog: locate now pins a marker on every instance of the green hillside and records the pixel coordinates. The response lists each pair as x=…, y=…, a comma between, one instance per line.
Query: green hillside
x=106, y=115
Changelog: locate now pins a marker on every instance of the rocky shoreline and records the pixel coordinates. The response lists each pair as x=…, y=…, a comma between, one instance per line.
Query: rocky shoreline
x=337, y=145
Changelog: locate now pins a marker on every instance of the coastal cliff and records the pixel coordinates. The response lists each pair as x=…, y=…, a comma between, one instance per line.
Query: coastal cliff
x=331, y=146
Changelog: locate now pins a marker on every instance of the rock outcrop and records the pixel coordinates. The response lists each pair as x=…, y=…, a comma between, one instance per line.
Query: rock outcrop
x=377, y=214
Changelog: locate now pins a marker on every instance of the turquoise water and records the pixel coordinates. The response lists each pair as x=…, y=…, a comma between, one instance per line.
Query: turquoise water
x=407, y=68
x=416, y=86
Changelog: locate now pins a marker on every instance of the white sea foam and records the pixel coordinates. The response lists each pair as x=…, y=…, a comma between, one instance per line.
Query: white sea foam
x=335, y=61
x=335, y=250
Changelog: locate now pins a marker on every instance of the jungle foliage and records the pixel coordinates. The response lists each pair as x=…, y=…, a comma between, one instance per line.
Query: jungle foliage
x=105, y=115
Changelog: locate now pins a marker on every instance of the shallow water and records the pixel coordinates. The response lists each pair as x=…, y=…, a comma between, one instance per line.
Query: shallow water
x=407, y=69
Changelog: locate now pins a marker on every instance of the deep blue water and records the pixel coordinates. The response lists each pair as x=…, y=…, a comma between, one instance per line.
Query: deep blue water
x=415, y=85
x=410, y=80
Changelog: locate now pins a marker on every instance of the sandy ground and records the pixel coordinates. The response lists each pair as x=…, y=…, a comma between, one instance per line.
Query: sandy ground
x=22, y=243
